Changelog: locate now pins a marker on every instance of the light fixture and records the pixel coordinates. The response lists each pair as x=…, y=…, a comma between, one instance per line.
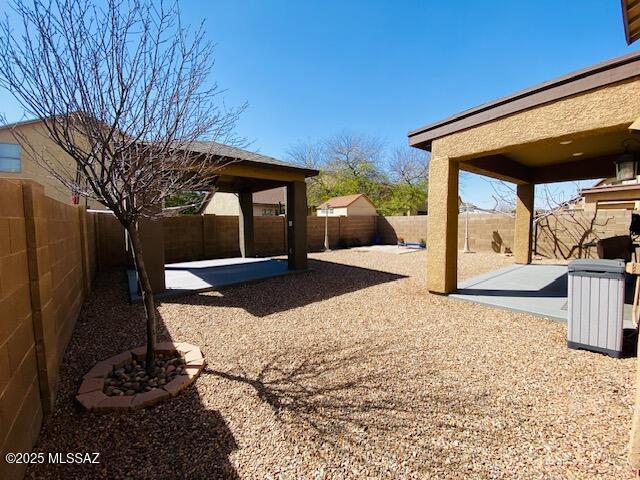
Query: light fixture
x=627, y=163
x=577, y=154
x=566, y=142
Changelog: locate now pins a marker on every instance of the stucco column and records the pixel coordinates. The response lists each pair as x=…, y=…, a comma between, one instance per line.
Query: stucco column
x=442, y=226
x=152, y=239
x=247, y=245
x=524, y=221
x=297, y=225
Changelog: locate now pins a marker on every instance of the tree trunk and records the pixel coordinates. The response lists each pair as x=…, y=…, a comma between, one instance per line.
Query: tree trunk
x=147, y=297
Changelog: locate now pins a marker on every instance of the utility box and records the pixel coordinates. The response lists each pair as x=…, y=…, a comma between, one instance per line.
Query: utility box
x=596, y=306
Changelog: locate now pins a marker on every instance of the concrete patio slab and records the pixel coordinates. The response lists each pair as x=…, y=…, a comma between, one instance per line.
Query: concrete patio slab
x=200, y=276
x=536, y=289
x=393, y=249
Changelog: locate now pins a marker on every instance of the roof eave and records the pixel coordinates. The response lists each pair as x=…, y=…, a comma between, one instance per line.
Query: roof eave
x=596, y=76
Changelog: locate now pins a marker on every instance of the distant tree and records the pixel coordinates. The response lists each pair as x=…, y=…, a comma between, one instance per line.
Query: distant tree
x=348, y=164
x=409, y=165
x=312, y=155
x=123, y=88
x=408, y=168
x=188, y=200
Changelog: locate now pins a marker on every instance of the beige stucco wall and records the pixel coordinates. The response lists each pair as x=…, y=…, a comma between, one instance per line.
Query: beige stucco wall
x=224, y=203
x=36, y=148
x=361, y=207
x=605, y=108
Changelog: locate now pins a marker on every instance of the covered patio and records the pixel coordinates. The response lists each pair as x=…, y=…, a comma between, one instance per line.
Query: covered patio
x=572, y=128
x=243, y=173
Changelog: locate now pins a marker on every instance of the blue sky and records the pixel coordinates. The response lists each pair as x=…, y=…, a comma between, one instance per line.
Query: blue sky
x=309, y=69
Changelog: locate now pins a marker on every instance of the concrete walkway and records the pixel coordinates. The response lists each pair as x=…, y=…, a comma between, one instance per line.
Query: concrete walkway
x=204, y=275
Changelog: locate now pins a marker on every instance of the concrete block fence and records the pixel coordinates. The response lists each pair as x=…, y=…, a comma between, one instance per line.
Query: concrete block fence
x=47, y=262
x=198, y=237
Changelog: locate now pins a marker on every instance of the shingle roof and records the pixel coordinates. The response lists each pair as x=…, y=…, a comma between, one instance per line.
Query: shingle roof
x=216, y=148
x=222, y=150
x=345, y=201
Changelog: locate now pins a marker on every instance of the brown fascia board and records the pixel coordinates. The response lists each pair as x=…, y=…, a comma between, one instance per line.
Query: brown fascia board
x=590, y=78
x=306, y=171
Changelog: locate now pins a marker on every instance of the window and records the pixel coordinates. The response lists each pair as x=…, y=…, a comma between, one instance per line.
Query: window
x=10, y=158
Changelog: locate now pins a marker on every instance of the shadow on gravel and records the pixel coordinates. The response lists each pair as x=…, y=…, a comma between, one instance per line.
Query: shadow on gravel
x=326, y=280
x=179, y=438
x=333, y=403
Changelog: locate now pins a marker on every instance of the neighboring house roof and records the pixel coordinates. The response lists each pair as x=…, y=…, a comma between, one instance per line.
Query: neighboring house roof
x=590, y=78
x=270, y=197
x=345, y=201
x=215, y=148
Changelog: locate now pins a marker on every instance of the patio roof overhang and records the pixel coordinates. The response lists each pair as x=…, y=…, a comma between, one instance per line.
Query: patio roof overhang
x=246, y=171
x=631, y=20
x=570, y=128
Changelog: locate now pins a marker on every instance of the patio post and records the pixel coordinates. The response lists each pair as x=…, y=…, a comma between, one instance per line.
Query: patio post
x=247, y=245
x=297, y=225
x=524, y=222
x=442, y=231
x=152, y=239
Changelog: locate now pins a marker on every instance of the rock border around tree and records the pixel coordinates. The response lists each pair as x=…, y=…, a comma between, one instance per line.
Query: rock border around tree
x=91, y=392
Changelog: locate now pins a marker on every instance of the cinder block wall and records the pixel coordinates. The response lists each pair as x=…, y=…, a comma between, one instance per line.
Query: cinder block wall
x=46, y=264
x=410, y=228
x=197, y=237
x=315, y=232
x=487, y=233
x=564, y=236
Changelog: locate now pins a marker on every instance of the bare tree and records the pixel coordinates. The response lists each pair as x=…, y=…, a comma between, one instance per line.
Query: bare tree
x=566, y=226
x=408, y=165
x=123, y=89
x=503, y=195
x=357, y=156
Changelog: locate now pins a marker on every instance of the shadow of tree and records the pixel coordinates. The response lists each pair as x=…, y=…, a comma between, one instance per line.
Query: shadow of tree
x=179, y=438
x=564, y=234
x=326, y=280
x=329, y=394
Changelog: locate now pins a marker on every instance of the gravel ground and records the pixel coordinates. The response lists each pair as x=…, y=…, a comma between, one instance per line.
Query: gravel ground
x=350, y=371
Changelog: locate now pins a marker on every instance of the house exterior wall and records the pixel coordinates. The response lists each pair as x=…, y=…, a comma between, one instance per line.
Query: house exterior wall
x=360, y=207
x=32, y=170
x=223, y=203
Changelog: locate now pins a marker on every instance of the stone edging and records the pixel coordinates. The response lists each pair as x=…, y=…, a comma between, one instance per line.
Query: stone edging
x=92, y=398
